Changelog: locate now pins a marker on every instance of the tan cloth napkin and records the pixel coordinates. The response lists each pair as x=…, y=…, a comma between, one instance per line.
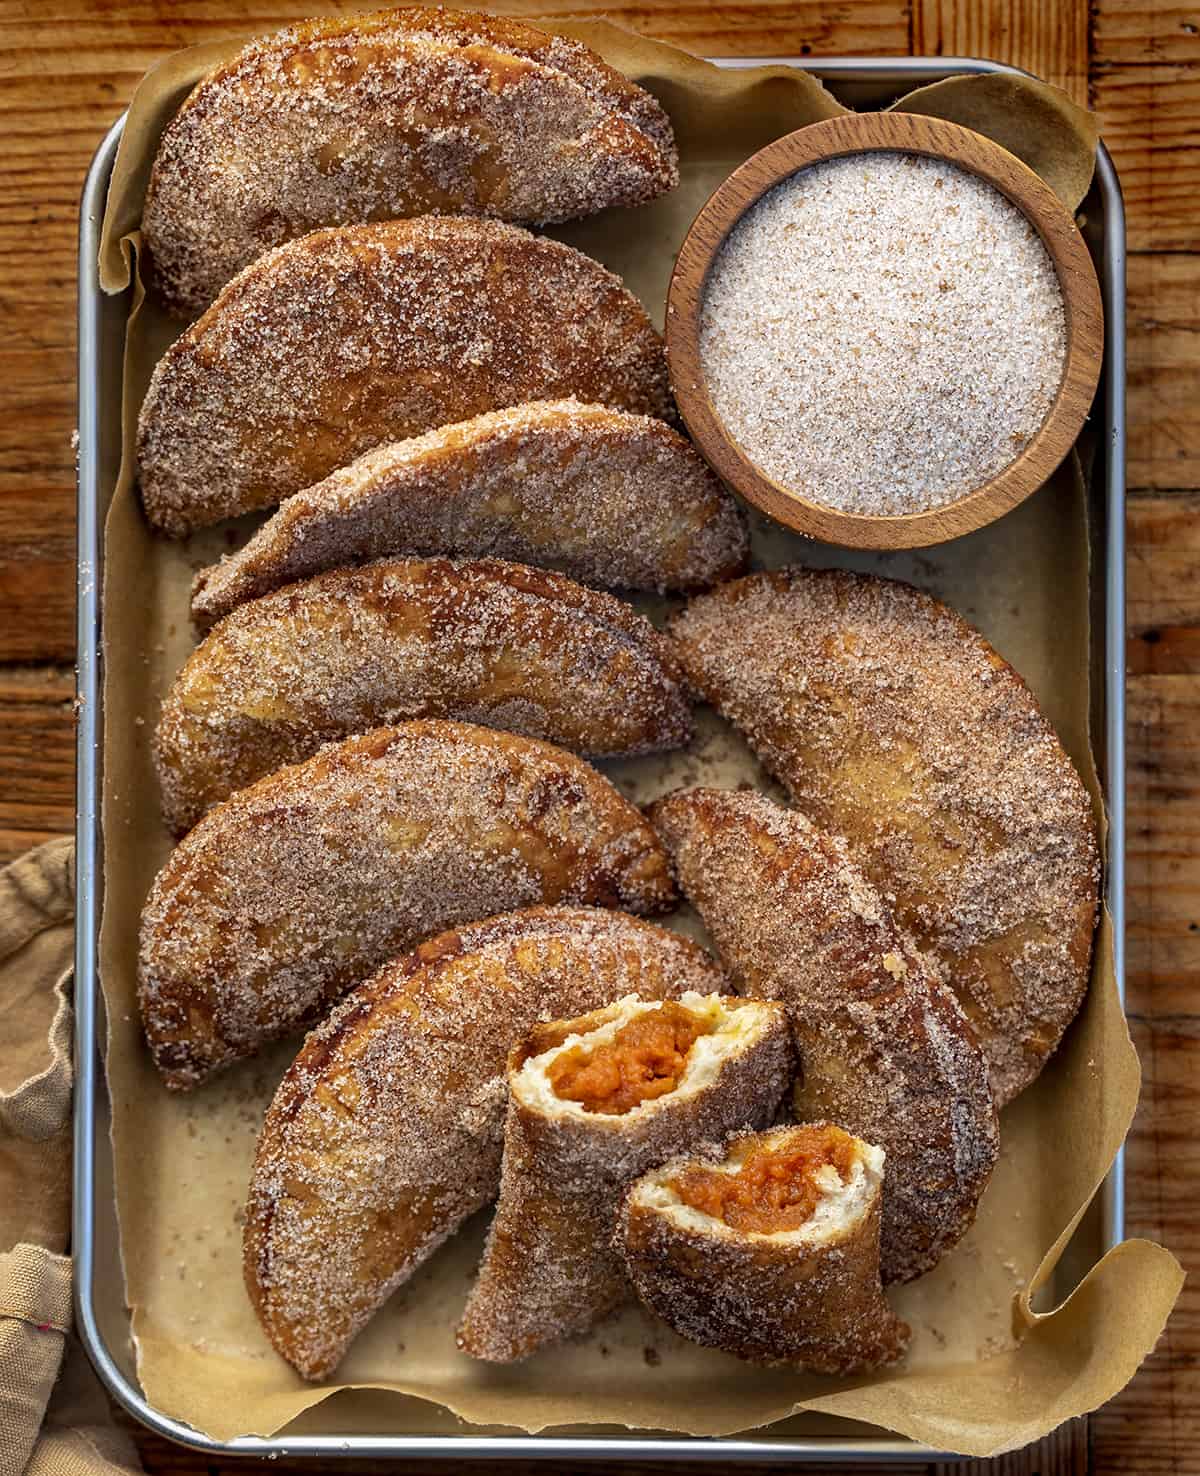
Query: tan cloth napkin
x=54, y=1419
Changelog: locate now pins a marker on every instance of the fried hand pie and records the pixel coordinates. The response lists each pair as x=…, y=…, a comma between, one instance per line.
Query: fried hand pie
x=608, y=497
x=291, y=891
x=385, y=1133
x=893, y=723
x=885, y=1049
x=769, y=1250
x=593, y=1102
x=373, y=117
x=487, y=642
x=358, y=335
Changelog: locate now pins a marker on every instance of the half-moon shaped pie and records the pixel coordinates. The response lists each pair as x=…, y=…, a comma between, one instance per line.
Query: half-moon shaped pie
x=894, y=724
x=487, y=642
x=374, y=117
x=295, y=889
x=353, y=336
x=607, y=497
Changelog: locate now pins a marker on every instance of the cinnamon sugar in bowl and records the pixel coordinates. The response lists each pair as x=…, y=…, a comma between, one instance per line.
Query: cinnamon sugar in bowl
x=884, y=330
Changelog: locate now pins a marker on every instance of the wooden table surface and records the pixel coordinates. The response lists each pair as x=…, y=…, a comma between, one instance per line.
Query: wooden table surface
x=68, y=67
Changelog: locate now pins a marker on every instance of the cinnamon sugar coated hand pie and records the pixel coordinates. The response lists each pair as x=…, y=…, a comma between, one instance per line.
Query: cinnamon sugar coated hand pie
x=894, y=724
x=768, y=1250
x=357, y=335
x=385, y=1134
x=488, y=642
x=594, y=1102
x=397, y=113
x=298, y=887
x=603, y=495
x=885, y=1049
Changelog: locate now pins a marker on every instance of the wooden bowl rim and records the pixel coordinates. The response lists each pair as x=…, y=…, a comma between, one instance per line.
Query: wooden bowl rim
x=893, y=132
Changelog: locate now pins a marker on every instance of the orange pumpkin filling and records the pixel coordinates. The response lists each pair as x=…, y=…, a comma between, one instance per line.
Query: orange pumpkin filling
x=775, y=1188
x=645, y=1059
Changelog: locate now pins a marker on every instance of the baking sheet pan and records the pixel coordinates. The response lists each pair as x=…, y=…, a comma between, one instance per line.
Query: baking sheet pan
x=370, y=1425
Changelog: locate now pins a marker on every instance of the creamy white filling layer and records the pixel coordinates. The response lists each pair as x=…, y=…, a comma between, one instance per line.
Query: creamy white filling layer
x=736, y=1024
x=839, y=1210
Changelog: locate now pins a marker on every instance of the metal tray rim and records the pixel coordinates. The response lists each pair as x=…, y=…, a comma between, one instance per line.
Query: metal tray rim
x=87, y=837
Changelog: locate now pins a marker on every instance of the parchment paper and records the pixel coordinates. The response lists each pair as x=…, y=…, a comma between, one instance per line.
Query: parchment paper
x=986, y=1373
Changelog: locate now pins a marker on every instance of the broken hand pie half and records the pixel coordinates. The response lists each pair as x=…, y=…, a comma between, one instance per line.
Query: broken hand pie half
x=403, y=112
x=885, y=1049
x=385, y=1134
x=768, y=1250
x=592, y=1103
x=358, y=335
x=605, y=496
x=894, y=724
x=488, y=642
x=300, y=886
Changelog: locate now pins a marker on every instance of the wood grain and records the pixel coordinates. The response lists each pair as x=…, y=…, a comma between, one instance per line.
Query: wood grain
x=833, y=138
x=128, y=34
x=1150, y=120
x=1163, y=851
x=1146, y=31
x=1163, y=585
x=1046, y=37
x=37, y=756
x=1164, y=370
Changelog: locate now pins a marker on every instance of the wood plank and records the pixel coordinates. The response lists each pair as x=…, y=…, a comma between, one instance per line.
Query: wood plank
x=1163, y=584
x=1047, y=37
x=37, y=566
x=1150, y=120
x=1163, y=851
x=95, y=40
x=37, y=756
x=1152, y=1428
x=1164, y=370
x=1146, y=31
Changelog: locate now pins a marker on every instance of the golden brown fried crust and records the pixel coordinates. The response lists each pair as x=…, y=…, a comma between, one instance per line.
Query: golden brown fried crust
x=886, y=1051
x=549, y=1269
x=357, y=335
x=487, y=642
x=400, y=113
x=385, y=1134
x=820, y=1307
x=295, y=889
x=894, y=724
x=605, y=496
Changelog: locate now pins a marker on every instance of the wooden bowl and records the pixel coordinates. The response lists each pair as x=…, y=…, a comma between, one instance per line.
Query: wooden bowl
x=911, y=134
